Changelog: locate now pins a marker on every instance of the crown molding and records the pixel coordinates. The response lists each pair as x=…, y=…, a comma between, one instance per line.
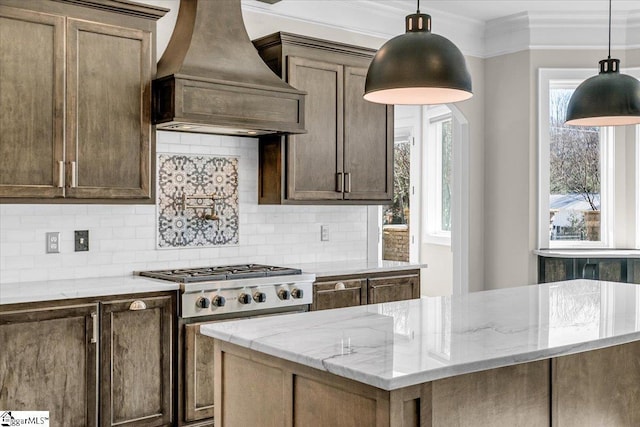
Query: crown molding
x=378, y=20
x=374, y=22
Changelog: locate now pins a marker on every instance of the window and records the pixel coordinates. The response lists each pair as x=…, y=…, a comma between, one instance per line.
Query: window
x=576, y=171
x=439, y=138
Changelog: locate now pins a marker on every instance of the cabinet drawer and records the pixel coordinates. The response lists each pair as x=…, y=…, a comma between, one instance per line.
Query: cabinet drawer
x=339, y=293
x=393, y=288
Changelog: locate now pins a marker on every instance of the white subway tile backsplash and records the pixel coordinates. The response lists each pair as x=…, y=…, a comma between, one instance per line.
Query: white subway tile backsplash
x=122, y=237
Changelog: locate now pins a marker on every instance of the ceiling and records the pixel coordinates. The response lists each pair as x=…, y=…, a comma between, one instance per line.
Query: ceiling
x=482, y=10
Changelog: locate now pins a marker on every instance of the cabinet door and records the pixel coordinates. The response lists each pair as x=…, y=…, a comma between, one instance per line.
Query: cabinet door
x=315, y=159
x=48, y=361
x=633, y=271
x=339, y=293
x=198, y=374
x=108, y=111
x=368, y=142
x=394, y=288
x=31, y=104
x=136, y=362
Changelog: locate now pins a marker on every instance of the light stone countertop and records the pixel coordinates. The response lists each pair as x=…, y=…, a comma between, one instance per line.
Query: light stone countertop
x=343, y=268
x=399, y=344
x=588, y=253
x=12, y=293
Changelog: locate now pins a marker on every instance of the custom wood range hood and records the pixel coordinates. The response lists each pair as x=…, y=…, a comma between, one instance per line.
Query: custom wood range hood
x=212, y=80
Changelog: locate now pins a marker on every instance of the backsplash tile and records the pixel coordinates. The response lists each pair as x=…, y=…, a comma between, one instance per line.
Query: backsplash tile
x=191, y=187
x=122, y=237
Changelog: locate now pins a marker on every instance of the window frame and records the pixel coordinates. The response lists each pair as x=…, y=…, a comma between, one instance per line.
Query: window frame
x=548, y=78
x=433, y=119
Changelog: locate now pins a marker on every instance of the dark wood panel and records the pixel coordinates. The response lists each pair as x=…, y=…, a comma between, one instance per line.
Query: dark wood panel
x=47, y=362
x=555, y=269
x=511, y=396
x=136, y=362
x=339, y=293
x=611, y=270
x=319, y=404
x=198, y=374
x=315, y=158
x=368, y=142
x=252, y=393
x=108, y=111
x=633, y=271
x=393, y=288
x=597, y=388
x=31, y=103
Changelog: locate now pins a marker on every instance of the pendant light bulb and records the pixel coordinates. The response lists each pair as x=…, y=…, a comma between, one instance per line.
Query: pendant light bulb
x=608, y=99
x=418, y=67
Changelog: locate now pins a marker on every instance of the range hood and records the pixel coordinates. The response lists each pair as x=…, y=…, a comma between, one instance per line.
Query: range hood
x=212, y=80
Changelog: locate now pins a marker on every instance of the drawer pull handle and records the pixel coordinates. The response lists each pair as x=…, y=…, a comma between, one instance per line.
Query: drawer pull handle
x=138, y=305
x=339, y=286
x=94, y=332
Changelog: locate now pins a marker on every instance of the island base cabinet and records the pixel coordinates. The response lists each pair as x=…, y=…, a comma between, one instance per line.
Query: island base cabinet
x=598, y=388
x=594, y=388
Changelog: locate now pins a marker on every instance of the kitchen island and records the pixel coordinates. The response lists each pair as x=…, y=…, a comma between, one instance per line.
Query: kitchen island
x=561, y=354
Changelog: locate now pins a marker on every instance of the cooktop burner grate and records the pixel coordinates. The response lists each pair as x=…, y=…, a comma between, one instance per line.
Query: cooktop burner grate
x=203, y=274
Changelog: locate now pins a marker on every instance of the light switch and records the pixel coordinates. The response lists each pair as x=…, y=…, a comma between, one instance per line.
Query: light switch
x=82, y=240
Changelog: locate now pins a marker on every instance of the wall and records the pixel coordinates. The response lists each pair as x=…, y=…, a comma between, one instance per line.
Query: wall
x=122, y=238
x=507, y=168
x=510, y=161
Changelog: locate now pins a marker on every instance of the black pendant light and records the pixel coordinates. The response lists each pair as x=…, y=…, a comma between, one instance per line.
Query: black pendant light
x=608, y=99
x=418, y=67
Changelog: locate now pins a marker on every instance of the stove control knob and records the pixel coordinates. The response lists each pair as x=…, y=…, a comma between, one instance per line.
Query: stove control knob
x=283, y=294
x=202, y=302
x=297, y=293
x=218, y=301
x=244, y=298
x=259, y=297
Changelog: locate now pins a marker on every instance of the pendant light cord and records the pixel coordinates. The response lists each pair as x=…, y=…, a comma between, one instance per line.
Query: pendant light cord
x=609, y=28
x=419, y=6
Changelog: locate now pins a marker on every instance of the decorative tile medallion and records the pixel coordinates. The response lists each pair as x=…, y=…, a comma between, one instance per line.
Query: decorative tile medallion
x=197, y=201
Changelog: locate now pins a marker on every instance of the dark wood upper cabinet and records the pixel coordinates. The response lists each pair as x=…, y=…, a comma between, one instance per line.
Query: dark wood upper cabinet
x=31, y=103
x=75, y=122
x=346, y=156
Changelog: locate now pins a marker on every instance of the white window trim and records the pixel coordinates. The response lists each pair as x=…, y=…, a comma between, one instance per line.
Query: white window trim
x=433, y=229
x=545, y=75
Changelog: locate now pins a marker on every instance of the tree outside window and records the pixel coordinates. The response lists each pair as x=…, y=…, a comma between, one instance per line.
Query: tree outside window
x=575, y=174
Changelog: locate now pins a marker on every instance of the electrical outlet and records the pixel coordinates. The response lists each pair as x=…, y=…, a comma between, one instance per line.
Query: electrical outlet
x=324, y=233
x=82, y=240
x=53, y=242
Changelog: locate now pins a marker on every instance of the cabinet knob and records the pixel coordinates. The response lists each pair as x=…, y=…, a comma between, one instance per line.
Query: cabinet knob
x=138, y=305
x=339, y=286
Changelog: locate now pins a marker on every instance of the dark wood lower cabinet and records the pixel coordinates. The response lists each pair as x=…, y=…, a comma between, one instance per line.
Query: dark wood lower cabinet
x=48, y=362
x=371, y=288
x=198, y=374
x=136, y=363
x=394, y=288
x=339, y=294
x=554, y=269
x=89, y=363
